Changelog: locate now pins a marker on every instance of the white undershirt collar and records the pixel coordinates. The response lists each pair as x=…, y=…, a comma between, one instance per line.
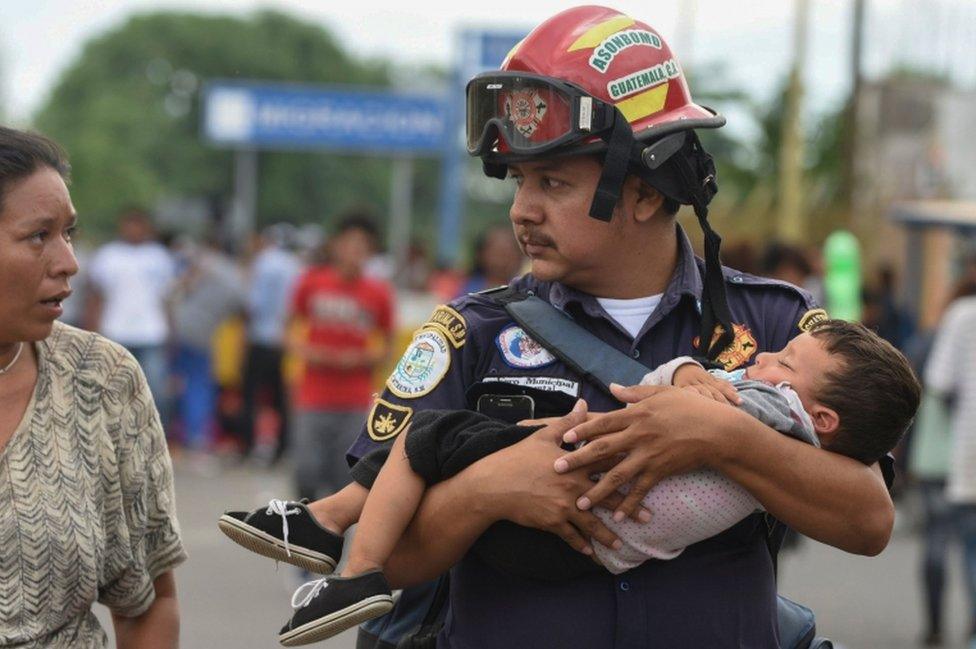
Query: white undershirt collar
x=630, y=314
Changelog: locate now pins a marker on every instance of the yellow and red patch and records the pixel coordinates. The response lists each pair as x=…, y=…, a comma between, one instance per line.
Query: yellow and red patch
x=740, y=350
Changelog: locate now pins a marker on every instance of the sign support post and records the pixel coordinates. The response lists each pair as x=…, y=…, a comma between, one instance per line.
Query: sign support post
x=242, y=221
x=401, y=210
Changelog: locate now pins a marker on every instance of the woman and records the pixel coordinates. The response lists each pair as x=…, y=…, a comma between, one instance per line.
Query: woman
x=86, y=489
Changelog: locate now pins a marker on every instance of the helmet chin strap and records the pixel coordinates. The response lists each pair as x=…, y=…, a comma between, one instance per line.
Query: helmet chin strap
x=697, y=173
x=695, y=176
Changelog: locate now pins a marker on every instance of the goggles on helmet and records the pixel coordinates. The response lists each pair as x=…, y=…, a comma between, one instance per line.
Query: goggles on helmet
x=523, y=114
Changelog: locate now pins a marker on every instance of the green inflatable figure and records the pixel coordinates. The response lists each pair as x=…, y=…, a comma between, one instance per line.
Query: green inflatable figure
x=842, y=270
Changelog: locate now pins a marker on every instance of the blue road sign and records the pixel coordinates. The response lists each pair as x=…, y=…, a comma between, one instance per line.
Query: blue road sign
x=297, y=117
x=495, y=46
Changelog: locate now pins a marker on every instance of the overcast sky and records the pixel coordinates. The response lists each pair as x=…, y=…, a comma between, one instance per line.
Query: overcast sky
x=39, y=38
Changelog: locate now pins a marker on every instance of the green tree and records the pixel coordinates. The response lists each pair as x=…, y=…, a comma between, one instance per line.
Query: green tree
x=749, y=169
x=127, y=110
x=734, y=156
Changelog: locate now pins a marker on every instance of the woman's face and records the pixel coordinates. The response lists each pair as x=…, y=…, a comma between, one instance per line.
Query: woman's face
x=36, y=258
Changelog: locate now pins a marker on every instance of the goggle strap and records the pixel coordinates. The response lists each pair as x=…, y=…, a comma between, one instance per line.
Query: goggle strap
x=615, y=164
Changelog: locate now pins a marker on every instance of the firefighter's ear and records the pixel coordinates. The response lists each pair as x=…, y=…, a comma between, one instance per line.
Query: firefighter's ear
x=648, y=200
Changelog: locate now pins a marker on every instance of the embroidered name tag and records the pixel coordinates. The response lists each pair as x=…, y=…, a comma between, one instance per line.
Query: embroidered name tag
x=548, y=383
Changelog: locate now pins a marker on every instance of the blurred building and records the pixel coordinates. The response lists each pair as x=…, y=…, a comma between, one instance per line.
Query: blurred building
x=939, y=240
x=914, y=141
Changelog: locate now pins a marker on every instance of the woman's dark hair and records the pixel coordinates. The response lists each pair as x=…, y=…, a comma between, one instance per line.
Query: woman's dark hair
x=22, y=153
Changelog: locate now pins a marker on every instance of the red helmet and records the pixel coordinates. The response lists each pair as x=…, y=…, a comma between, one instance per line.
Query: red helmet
x=592, y=79
x=616, y=59
x=600, y=54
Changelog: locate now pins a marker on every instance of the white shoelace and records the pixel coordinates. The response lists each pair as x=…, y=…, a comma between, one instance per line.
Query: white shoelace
x=280, y=507
x=314, y=587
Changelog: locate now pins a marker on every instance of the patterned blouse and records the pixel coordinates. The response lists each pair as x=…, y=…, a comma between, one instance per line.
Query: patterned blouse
x=86, y=497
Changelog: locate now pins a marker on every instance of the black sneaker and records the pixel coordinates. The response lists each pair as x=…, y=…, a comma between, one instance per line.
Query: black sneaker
x=330, y=606
x=285, y=531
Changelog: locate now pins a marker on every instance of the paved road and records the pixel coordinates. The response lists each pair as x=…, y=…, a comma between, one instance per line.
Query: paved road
x=230, y=599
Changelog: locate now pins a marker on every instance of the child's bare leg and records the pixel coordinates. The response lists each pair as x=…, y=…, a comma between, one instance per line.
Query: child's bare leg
x=341, y=510
x=390, y=507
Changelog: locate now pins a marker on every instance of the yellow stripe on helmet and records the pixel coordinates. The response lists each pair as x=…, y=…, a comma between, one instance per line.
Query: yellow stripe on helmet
x=646, y=103
x=595, y=35
x=511, y=53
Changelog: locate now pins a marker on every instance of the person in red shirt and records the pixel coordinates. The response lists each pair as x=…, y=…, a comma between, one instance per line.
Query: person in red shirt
x=348, y=324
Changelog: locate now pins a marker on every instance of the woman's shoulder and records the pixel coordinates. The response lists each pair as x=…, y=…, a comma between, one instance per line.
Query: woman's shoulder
x=85, y=355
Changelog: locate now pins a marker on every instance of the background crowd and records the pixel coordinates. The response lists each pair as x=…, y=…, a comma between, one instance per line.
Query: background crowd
x=218, y=334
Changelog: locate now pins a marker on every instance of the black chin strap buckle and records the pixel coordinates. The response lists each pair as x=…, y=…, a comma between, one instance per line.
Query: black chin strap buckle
x=660, y=151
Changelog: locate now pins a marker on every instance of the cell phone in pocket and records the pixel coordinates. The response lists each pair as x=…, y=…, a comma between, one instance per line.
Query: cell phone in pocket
x=512, y=408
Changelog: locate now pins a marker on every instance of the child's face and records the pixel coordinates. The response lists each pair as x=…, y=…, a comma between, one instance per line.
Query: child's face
x=801, y=364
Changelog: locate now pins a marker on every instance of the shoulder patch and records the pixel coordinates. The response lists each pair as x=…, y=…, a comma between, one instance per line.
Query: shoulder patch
x=387, y=420
x=520, y=350
x=811, y=318
x=422, y=366
x=450, y=323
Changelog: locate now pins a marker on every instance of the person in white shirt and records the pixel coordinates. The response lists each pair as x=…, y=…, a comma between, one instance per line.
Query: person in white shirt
x=272, y=278
x=949, y=375
x=130, y=280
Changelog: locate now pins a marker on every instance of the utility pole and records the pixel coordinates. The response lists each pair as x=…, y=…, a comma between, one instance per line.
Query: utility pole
x=684, y=40
x=849, y=181
x=791, y=150
x=3, y=96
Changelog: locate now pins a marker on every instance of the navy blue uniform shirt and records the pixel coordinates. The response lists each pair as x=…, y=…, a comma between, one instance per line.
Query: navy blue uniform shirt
x=718, y=593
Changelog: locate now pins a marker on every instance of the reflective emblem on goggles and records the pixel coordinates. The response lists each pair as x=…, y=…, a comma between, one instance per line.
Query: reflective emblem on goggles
x=525, y=109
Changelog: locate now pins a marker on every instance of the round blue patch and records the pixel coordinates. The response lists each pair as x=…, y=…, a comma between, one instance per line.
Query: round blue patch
x=519, y=350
